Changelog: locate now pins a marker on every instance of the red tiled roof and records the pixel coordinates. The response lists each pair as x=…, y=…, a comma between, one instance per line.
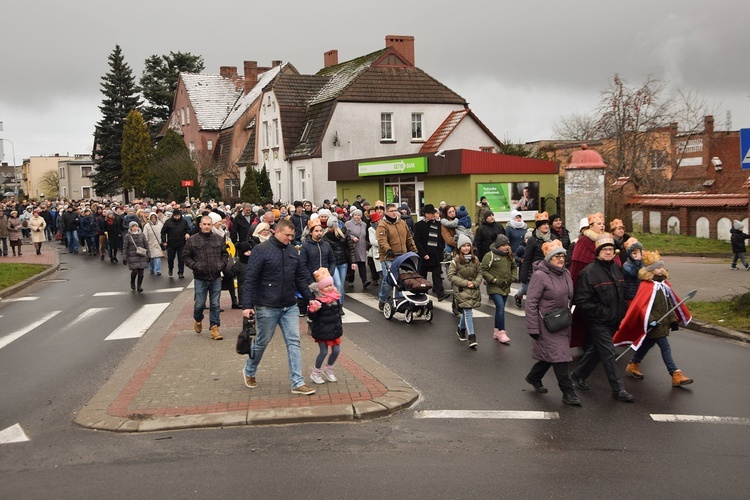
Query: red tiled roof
x=690, y=200
x=443, y=131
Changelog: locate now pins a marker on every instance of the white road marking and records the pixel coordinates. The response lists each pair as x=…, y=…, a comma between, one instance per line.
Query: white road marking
x=191, y=284
x=23, y=331
x=20, y=299
x=702, y=419
x=138, y=322
x=125, y=292
x=372, y=301
x=110, y=294
x=13, y=434
x=351, y=317
x=164, y=290
x=489, y=414
x=88, y=313
x=364, y=298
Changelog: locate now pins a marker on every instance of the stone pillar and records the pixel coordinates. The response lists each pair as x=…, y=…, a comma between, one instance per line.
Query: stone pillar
x=584, y=187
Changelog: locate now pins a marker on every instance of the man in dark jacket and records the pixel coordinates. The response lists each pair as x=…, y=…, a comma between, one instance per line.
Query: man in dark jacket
x=206, y=254
x=430, y=246
x=70, y=228
x=299, y=219
x=274, y=271
x=486, y=233
x=241, y=225
x=737, y=239
x=600, y=298
x=173, y=236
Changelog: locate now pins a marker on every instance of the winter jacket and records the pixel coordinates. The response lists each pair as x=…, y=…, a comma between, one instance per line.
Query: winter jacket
x=563, y=235
x=550, y=288
x=342, y=247
x=486, y=234
x=394, y=237
x=69, y=220
x=173, y=232
x=206, y=254
x=87, y=226
x=113, y=229
x=407, y=218
x=316, y=254
x=300, y=223
x=630, y=273
x=374, y=250
x=240, y=230
x=129, y=252
x=464, y=223
x=14, y=229
x=600, y=293
x=499, y=271
x=533, y=254
x=359, y=231
x=515, y=235
x=460, y=273
x=584, y=253
x=326, y=322
x=37, y=225
x=448, y=231
x=423, y=240
x=153, y=237
x=274, y=271
x=738, y=240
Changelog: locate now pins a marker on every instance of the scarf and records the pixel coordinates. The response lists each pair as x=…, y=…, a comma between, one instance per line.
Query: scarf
x=542, y=236
x=328, y=298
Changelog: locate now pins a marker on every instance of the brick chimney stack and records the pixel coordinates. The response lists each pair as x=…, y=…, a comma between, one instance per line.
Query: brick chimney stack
x=228, y=71
x=275, y=63
x=330, y=58
x=403, y=44
x=251, y=75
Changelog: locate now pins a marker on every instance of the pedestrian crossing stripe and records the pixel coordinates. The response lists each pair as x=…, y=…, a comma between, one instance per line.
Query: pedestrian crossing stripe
x=21, y=299
x=13, y=434
x=87, y=314
x=702, y=419
x=125, y=292
x=488, y=414
x=138, y=323
x=4, y=341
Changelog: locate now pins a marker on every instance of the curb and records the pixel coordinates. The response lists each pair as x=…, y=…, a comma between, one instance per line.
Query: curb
x=14, y=289
x=718, y=331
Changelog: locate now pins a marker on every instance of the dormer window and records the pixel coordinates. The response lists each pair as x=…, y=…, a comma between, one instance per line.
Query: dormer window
x=306, y=132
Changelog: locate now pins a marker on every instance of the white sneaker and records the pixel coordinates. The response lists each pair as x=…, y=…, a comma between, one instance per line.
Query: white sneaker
x=316, y=377
x=328, y=372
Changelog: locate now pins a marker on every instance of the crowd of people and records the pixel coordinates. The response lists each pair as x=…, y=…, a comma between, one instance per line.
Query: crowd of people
x=290, y=261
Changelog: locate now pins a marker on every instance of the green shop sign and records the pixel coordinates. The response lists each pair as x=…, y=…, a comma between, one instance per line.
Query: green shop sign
x=393, y=167
x=498, y=196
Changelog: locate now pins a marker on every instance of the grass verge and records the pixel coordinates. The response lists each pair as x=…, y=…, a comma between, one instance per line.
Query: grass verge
x=677, y=244
x=11, y=274
x=733, y=313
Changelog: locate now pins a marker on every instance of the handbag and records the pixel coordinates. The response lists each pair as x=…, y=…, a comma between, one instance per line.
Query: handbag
x=139, y=250
x=557, y=319
x=246, y=337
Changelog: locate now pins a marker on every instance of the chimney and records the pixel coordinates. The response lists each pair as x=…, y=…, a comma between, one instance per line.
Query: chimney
x=275, y=63
x=330, y=58
x=708, y=125
x=251, y=75
x=228, y=71
x=403, y=44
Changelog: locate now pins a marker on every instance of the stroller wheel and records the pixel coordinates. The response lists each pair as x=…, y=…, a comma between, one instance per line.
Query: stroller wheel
x=409, y=316
x=428, y=314
x=388, y=310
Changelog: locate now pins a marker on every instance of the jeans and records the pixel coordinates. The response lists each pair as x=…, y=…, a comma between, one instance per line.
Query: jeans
x=741, y=257
x=467, y=320
x=72, y=238
x=385, y=287
x=339, y=277
x=154, y=265
x=213, y=289
x=666, y=352
x=171, y=252
x=499, y=301
x=522, y=291
x=286, y=318
x=5, y=246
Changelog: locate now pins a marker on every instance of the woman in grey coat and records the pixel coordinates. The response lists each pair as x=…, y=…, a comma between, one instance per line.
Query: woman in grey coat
x=133, y=240
x=357, y=230
x=550, y=287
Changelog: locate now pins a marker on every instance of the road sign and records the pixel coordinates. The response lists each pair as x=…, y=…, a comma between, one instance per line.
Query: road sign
x=745, y=148
x=187, y=184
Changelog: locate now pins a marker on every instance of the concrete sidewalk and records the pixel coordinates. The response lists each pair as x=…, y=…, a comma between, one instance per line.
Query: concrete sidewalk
x=176, y=379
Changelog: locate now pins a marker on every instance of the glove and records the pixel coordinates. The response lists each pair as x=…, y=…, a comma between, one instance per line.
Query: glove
x=534, y=336
x=313, y=306
x=124, y=262
x=674, y=326
x=390, y=255
x=652, y=325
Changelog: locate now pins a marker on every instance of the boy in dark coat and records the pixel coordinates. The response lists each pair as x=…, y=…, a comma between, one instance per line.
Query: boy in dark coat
x=738, y=245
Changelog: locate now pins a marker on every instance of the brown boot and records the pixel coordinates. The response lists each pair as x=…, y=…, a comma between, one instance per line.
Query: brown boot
x=198, y=326
x=633, y=369
x=678, y=379
x=215, y=333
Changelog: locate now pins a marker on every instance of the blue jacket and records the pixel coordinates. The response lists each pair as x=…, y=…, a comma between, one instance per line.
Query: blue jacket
x=87, y=227
x=316, y=255
x=274, y=271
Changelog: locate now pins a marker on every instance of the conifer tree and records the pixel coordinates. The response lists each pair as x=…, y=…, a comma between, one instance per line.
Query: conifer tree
x=136, y=153
x=264, y=185
x=249, y=191
x=211, y=190
x=170, y=165
x=120, y=97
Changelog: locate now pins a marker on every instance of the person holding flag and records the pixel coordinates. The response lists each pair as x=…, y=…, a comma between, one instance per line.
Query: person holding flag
x=654, y=312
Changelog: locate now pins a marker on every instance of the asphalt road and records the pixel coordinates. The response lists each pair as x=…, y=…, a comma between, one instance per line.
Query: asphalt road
x=602, y=449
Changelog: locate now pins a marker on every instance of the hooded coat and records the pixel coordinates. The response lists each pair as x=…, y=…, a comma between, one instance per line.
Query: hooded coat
x=152, y=231
x=460, y=273
x=499, y=271
x=550, y=288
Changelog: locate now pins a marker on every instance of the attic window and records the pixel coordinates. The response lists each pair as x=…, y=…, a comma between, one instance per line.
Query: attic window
x=306, y=132
x=393, y=60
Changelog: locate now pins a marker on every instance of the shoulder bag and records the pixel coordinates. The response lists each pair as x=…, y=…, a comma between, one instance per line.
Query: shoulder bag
x=139, y=250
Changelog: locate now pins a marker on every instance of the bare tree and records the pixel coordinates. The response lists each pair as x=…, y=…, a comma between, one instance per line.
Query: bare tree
x=50, y=184
x=576, y=127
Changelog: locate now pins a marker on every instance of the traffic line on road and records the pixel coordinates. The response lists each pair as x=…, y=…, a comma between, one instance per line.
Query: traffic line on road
x=351, y=317
x=138, y=323
x=165, y=290
x=21, y=299
x=23, y=331
x=88, y=313
x=129, y=292
x=701, y=419
x=488, y=414
x=13, y=434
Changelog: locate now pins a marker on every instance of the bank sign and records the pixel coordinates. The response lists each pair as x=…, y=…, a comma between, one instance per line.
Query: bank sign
x=404, y=166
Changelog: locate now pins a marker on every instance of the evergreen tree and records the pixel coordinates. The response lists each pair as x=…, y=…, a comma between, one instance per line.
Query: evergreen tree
x=170, y=165
x=159, y=83
x=136, y=153
x=249, y=191
x=120, y=97
x=211, y=190
x=264, y=185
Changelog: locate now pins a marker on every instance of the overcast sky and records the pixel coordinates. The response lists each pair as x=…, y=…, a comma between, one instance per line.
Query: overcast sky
x=520, y=65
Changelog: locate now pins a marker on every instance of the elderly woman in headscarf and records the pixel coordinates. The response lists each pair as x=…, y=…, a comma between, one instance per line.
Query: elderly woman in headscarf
x=262, y=233
x=357, y=230
x=14, y=232
x=135, y=254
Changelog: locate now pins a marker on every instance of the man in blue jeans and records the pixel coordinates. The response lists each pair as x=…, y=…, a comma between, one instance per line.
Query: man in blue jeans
x=274, y=271
x=206, y=254
x=70, y=228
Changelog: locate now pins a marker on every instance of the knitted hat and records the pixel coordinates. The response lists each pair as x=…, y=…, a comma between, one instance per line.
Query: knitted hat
x=737, y=225
x=552, y=248
x=214, y=217
x=333, y=221
x=133, y=223
x=632, y=244
x=323, y=277
x=324, y=212
x=583, y=224
x=652, y=260
x=356, y=211
x=486, y=214
x=597, y=217
x=462, y=240
x=541, y=218
x=604, y=240
x=554, y=217
x=374, y=216
x=616, y=224
x=501, y=240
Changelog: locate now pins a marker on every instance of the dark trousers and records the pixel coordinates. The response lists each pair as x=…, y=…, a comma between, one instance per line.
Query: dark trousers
x=361, y=268
x=599, y=347
x=561, y=372
x=374, y=269
x=171, y=252
x=437, y=279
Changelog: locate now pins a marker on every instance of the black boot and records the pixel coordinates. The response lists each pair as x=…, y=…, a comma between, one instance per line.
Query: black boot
x=140, y=282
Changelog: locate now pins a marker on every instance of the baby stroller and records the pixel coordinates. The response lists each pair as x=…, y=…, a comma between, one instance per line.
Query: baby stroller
x=409, y=294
